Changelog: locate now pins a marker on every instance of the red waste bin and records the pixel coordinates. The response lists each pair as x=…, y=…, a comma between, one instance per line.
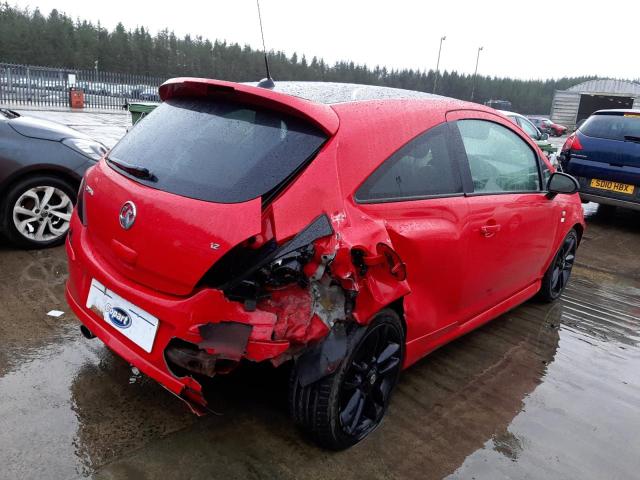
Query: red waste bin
x=76, y=98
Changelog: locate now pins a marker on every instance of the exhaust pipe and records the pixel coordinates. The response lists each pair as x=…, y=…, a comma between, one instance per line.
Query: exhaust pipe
x=86, y=333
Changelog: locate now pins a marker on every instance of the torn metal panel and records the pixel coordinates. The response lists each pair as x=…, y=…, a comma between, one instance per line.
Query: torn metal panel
x=367, y=264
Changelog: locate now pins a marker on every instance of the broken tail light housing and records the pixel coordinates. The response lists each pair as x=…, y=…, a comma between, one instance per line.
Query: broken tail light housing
x=385, y=256
x=244, y=274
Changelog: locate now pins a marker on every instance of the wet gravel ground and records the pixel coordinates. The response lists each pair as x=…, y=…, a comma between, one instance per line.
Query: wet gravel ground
x=545, y=391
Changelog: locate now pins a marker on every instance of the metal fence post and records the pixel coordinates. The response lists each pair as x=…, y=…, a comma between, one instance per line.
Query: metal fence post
x=29, y=96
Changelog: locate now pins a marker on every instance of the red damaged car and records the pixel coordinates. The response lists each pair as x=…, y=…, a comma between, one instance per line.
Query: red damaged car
x=346, y=230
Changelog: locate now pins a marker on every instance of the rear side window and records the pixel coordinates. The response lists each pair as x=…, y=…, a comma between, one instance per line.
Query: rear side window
x=528, y=127
x=613, y=127
x=421, y=168
x=217, y=151
x=499, y=160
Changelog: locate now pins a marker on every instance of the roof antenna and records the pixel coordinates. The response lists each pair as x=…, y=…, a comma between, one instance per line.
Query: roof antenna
x=265, y=82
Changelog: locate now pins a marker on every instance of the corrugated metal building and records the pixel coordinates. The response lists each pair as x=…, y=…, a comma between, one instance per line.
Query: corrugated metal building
x=578, y=102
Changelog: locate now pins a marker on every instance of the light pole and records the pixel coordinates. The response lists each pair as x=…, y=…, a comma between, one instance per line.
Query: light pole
x=435, y=77
x=475, y=75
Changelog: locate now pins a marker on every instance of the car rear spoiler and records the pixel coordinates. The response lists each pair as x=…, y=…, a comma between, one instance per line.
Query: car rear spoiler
x=318, y=113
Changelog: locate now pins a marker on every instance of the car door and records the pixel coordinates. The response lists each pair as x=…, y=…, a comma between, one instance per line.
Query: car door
x=511, y=223
x=418, y=193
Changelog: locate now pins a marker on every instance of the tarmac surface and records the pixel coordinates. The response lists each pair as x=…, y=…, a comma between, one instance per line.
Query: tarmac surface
x=545, y=391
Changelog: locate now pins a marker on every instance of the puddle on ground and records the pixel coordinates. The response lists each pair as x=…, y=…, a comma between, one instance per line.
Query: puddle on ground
x=546, y=391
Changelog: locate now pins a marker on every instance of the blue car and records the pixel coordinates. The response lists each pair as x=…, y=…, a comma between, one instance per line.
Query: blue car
x=604, y=155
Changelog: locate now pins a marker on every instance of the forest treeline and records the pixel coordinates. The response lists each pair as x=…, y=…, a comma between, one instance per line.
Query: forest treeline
x=57, y=40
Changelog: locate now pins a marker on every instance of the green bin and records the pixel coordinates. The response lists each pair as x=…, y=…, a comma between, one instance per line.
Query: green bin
x=140, y=109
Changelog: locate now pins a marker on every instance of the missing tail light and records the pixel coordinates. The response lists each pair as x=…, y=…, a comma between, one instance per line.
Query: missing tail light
x=246, y=274
x=384, y=256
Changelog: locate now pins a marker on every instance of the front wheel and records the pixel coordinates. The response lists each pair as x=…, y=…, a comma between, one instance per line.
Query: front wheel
x=341, y=409
x=37, y=211
x=557, y=275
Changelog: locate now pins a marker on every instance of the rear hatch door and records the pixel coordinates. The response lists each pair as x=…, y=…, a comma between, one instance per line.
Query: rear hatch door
x=196, y=171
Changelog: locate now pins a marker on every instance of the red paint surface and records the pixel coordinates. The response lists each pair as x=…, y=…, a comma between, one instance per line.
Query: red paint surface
x=468, y=259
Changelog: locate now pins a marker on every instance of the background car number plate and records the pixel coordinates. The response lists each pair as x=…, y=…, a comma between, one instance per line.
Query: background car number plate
x=612, y=186
x=134, y=323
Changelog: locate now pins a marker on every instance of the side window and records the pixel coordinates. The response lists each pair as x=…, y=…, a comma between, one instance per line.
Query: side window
x=421, y=168
x=528, y=127
x=499, y=160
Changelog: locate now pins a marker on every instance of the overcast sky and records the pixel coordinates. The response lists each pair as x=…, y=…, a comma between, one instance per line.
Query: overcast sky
x=520, y=39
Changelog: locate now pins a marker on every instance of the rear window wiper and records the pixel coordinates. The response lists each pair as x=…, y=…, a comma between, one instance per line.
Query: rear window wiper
x=135, y=170
x=631, y=138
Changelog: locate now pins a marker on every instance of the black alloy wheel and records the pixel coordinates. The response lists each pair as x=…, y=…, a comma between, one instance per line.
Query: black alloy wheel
x=341, y=409
x=369, y=378
x=557, y=276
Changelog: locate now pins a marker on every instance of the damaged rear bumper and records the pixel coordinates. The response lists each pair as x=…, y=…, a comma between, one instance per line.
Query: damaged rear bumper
x=314, y=295
x=187, y=389
x=209, y=322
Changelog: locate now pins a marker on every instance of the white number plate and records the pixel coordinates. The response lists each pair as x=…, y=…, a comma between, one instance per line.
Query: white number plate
x=134, y=323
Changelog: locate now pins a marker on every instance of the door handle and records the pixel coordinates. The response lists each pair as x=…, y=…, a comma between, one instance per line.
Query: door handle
x=489, y=230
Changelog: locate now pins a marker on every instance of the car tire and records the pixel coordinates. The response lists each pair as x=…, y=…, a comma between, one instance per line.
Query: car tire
x=328, y=411
x=37, y=210
x=557, y=275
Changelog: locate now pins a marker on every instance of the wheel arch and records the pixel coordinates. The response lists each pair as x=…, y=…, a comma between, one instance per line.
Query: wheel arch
x=398, y=307
x=579, y=230
x=43, y=169
x=324, y=357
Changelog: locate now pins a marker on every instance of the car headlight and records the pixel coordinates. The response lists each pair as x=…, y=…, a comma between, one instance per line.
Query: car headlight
x=89, y=148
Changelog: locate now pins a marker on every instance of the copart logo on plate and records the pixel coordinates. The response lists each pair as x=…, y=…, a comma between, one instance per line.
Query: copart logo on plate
x=118, y=316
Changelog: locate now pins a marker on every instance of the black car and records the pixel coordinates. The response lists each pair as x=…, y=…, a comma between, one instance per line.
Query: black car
x=41, y=165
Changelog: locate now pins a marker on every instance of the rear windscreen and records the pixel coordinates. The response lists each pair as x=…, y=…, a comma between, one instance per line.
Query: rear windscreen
x=614, y=127
x=213, y=150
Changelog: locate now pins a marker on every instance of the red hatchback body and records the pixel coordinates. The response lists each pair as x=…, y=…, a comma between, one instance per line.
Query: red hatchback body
x=347, y=228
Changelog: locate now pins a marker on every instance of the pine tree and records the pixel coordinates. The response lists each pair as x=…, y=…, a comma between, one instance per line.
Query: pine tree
x=29, y=37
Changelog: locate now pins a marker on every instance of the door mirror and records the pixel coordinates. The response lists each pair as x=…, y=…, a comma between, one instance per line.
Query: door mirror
x=544, y=136
x=560, y=182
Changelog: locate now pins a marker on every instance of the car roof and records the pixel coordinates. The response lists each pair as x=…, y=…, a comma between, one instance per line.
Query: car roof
x=614, y=111
x=511, y=114
x=316, y=101
x=333, y=92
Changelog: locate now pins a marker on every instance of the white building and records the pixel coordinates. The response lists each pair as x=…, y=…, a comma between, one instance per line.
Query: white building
x=578, y=102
